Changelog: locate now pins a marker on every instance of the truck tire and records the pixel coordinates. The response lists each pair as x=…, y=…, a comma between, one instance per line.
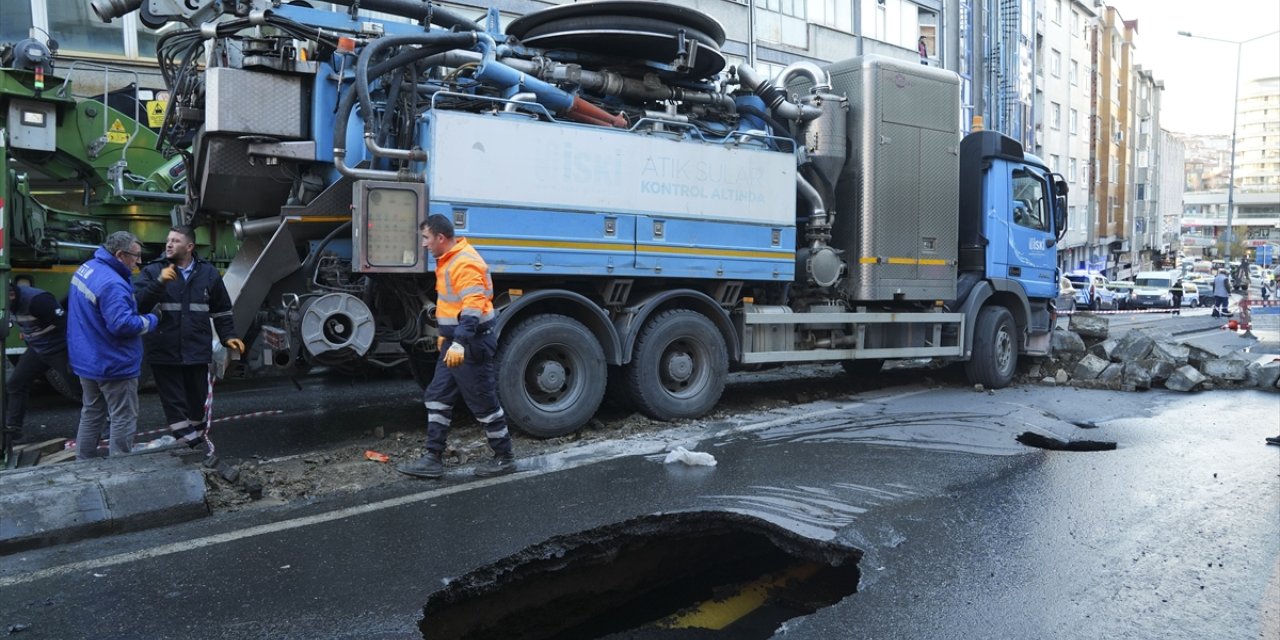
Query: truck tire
x=679, y=366
x=69, y=389
x=995, y=349
x=551, y=375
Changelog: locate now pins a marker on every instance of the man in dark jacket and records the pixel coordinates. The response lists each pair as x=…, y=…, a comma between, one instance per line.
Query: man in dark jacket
x=187, y=292
x=43, y=326
x=104, y=343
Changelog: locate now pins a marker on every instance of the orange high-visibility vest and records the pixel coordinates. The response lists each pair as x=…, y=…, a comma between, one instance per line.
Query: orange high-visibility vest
x=463, y=286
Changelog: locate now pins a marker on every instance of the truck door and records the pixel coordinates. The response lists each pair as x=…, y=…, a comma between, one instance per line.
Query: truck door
x=1031, y=259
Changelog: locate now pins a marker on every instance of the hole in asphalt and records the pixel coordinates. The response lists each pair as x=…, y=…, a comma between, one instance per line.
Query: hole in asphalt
x=1057, y=444
x=683, y=575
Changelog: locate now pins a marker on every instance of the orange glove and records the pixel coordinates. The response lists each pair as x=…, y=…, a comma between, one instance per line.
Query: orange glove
x=439, y=343
x=168, y=273
x=234, y=343
x=454, y=356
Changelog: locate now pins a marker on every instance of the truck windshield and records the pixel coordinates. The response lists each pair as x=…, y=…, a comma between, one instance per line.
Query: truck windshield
x=1154, y=283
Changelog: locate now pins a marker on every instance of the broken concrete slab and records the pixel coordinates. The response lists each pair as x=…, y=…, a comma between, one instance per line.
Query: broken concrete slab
x=1105, y=348
x=1089, y=368
x=1159, y=370
x=1172, y=352
x=1136, y=375
x=1134, y=346
x=1263, y=376
x=1067, y=344
x=1232, y=369
x=1089, y=325
x=59, y=503
x=1184, y=378
x=1112, y=377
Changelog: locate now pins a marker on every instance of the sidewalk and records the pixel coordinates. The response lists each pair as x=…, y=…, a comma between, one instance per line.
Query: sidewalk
x=42, y=506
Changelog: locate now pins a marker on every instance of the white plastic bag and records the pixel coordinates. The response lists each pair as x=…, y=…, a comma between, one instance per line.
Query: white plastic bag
x=691, y=458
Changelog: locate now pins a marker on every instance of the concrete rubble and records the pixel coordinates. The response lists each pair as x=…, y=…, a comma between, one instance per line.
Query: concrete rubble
x=1088, y=355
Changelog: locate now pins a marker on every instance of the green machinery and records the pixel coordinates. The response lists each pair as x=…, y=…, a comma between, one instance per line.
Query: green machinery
x=75, y=168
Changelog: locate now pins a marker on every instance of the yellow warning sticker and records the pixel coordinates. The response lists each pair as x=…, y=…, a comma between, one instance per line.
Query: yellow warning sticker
x=116, y=134
x=155, y=113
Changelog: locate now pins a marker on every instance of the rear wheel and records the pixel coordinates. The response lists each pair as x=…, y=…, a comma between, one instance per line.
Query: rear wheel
x=67, y=388
x=551, y=375
x=679, y=366
x=995, y=349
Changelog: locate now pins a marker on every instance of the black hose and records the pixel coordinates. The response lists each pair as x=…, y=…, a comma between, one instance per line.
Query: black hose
x=310, y=264
x=417, y=10
x=769, y=119
x=348, y=100
x=437, y=40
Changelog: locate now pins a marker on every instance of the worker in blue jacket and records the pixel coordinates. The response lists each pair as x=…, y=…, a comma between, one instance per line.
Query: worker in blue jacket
x=188, y=293
x=104, y=341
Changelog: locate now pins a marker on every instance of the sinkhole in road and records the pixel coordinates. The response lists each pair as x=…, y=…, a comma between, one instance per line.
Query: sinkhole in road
x=679, y=575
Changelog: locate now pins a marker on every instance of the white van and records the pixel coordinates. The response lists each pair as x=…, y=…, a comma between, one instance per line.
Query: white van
x=1151, y=289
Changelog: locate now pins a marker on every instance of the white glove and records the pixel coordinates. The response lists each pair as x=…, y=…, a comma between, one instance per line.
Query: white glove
x=455, y=355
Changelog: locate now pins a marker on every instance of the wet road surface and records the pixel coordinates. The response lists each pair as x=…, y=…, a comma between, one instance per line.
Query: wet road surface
x=966, y=532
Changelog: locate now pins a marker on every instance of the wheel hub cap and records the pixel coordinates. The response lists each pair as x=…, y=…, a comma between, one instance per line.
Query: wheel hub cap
x=550, y=376
x=679, y=366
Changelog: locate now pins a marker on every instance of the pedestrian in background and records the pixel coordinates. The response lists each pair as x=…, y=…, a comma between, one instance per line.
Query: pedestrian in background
x=923, y=48
x=104, y=341
x=1176, y=292
x=468, y=345
x=192, y=302
x=42, y=324
x=1221, y=293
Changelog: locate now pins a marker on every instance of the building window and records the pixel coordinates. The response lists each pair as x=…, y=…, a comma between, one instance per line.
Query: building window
x=17, y=21
x=1055, y=115
x=1141, y=192
x=1055, y=63
x=1072, y=119
x=1075, y=73
x=1075, y=20
x=1071, y=170
x=1111, y=209
x=1057, y=11
x=836, y=14
x=1055, y=163
x=79, y=30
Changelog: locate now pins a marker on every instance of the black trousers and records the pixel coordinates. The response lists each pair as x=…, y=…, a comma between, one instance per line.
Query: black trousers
x=182, y=389
x=31, y=365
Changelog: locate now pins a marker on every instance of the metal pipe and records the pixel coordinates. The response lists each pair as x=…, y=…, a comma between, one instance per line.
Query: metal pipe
x=523, y=96
x=821, y=81
x=818, y=216
x=416, y=10
x=107, y=10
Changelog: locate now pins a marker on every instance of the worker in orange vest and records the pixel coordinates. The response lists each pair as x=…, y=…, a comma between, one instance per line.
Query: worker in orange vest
x=468, y=345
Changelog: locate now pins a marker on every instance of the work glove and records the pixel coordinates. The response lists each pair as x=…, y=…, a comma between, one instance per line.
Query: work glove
x=234, y=343
x=168, y=273
x=454, y=356
x=440, y=343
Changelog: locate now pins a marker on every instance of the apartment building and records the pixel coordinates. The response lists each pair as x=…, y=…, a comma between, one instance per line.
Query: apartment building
x=1112, y=106
x=1064, y=74
x=1147, y=247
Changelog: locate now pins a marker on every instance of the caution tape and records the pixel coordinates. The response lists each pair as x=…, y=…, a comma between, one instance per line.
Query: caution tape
x=71, y=444
x=1118, y=311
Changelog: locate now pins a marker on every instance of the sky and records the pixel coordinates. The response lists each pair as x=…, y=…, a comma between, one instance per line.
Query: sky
x=1199, y=74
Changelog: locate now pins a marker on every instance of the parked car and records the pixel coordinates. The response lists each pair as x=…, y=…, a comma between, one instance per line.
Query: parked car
x=1091, y=290
x=1066, y=295
x=1123, y=292
x=1191, y=295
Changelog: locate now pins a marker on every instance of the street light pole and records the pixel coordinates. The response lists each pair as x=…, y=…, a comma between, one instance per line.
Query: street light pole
x=1235, y=116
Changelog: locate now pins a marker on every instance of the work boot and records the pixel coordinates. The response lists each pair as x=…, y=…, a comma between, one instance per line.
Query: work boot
x=428, y=466
x=1274, y=440
x=496, y=466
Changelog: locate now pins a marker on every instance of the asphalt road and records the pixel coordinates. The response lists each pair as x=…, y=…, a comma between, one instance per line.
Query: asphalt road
x=965, y=532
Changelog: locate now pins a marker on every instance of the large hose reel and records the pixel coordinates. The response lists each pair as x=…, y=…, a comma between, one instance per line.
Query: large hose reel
x=336, y=327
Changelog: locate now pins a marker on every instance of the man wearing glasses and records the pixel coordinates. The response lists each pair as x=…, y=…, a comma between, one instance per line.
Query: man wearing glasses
x=104, y=340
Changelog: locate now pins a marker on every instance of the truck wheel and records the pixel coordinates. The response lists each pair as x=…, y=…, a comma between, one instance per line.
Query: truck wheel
x=551, y=375
x=679, y=366
x=862, y=368
x=69, y=389
x=995, y=349
x=422, y=365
